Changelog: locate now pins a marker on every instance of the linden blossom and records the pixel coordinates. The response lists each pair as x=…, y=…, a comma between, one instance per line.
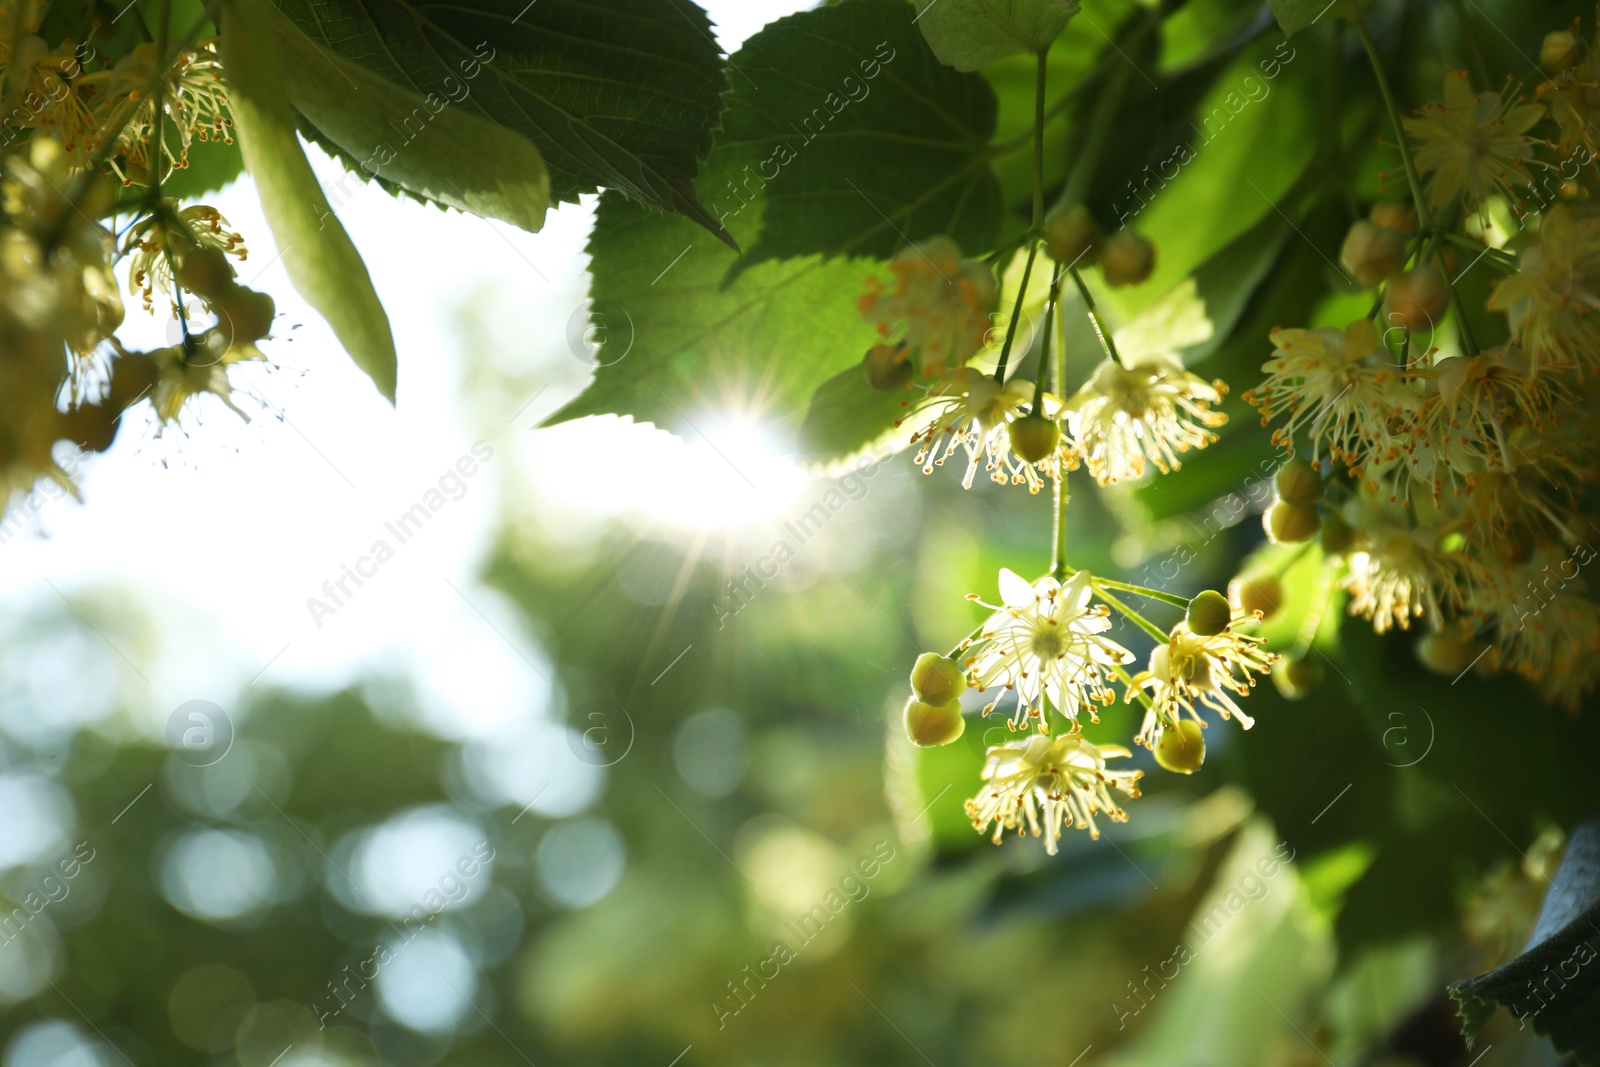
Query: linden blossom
x=834, y=104
x=406, y=526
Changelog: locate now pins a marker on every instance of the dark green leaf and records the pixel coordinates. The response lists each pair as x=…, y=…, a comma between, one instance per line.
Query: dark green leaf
x=1297, y=15
x=708, y=331
x=969, y=34
x=620, y=94
x=1552, y=985
x=456, y=159
x=867, y=142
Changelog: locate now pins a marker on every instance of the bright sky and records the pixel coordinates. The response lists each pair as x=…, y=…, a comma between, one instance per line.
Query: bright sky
x=223, y=535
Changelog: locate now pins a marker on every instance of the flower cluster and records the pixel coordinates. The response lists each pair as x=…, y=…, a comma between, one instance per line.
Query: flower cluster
x=1041, y=785
x=936, y=311
x=1464, y=470
x=1047, y=647
x=79, y=128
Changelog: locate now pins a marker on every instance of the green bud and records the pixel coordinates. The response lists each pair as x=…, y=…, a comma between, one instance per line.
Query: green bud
x=1127, y=259
x=1181, y=748
x=1072, y=237
x=937, y=679
x=1338, y=536
x=1288, y=523
x=932, y=725
x=1209, y=613
x=1371, y=252
x=1295, y=678
x=1298, y=483
x=1256, y=592
x=1034, y=437
x=1449, y=652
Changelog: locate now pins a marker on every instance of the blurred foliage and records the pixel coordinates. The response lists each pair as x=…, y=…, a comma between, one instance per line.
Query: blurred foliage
x=1166, y=943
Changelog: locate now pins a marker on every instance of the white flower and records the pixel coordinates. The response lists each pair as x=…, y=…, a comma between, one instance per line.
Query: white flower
x=1153, y=409
x=1339, y=386
x=972, y=411
x=1190, y=667
x=1042, y=784
x=1045, y=643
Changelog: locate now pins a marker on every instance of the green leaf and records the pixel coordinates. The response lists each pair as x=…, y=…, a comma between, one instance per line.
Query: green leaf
x=616, y=94
x=212, y=165
x=848, y=421
x=709, y=332
x=1297, y=15
x=1241, y=149
x=1552, y=984
x=322, y=262
x=866, y=141
x=455, y=158
x=969, y=34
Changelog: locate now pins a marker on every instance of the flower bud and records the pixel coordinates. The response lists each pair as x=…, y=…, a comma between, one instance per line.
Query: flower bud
x=932, y=725
x=1560, y=50
x=1449, y=652
x=1181, y=748
x=887, y=367
x=1072, y=237
x=1393, y=214
x=1295, y=678
x=91, y=426
x=1209, y=613
x=1371, y=253
x=1127, y=259
x=1256, y=593
x=1290, y=524
x=1034, y=437
x=1338, y=536
x=1417, y=299
x=937, y=679
x=205, y=272
x=244, y=314
x=1298, y=483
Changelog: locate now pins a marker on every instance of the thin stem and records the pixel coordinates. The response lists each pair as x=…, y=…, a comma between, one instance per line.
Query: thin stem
x=158, y=131
x=1412, y=177
x=1094, y=316
x=1038, y=138
x=1094, y=140
x=1016, y=314
x=1474, y=51
x=1133, y=616
x=1139, y=590
x=1058, y=532
x=1040, y=376
x=1138, y=694
x=1393, y=107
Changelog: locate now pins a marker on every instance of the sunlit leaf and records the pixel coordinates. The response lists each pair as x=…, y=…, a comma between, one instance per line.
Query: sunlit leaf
x=455, y=158
x=758, y=336
x=322, y=262
x=619, y=94
x=969, y=34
